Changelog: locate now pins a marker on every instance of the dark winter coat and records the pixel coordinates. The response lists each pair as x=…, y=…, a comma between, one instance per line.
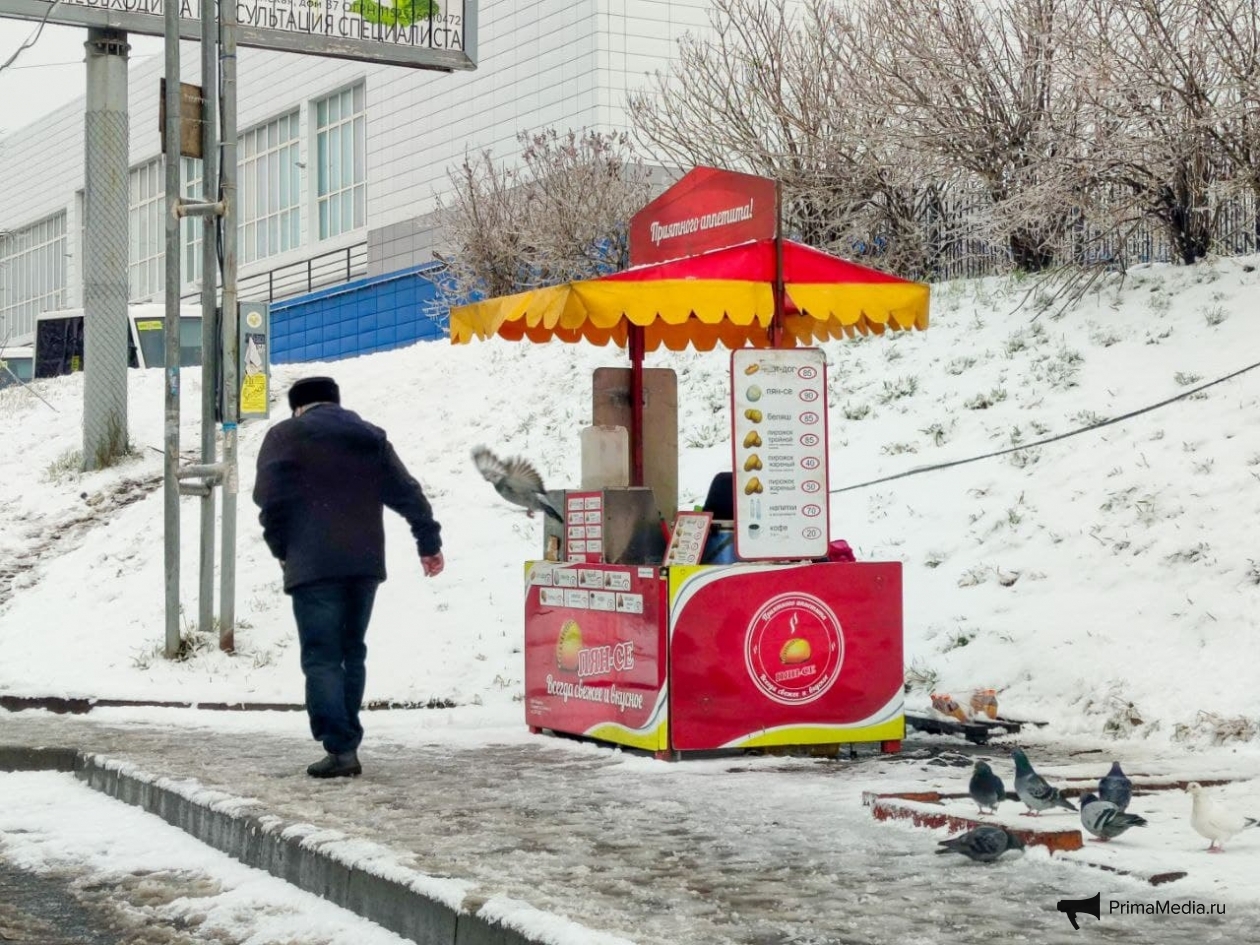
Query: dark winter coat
x=324, y=480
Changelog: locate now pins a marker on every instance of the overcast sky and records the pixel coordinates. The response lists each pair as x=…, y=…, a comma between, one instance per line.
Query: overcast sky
x=50, y=73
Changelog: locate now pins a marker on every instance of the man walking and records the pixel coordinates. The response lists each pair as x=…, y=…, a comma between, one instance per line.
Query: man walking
x=324, y=479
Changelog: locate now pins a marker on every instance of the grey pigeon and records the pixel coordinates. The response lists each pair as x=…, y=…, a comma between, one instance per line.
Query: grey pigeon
x=986, y=788
x=1033, y=789
x=984, y=843
x=517, y=481
x=1104, y=819
x=1115, y=787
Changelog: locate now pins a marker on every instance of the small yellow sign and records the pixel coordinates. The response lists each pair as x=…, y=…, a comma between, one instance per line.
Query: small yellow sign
x=149, y=324
x=254, y=394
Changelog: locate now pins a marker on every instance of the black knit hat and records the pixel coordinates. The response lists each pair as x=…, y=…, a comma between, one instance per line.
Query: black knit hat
x=313, y=390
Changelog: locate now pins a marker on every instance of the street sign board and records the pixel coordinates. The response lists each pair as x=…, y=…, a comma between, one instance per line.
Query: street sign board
x=423, y=34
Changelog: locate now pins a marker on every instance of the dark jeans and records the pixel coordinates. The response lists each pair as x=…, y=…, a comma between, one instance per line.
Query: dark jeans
x=332, y=619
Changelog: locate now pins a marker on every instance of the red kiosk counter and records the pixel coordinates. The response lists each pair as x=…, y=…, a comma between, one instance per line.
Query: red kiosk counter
x=632, y=643
x=704, y=657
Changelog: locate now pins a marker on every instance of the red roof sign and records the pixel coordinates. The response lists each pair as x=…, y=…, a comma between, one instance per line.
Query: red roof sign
x=707, y=209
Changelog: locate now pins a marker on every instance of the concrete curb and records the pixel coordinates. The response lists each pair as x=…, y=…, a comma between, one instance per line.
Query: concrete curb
x=277, y=847
x=37, y=759
x=82, y=705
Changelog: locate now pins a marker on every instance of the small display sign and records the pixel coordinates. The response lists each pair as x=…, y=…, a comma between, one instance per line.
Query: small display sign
x=584, y=526
x=254, y=369
x=686, y=542
x=779, y=447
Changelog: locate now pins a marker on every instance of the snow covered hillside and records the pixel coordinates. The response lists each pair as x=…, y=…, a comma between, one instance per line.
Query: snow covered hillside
x=1106, y=582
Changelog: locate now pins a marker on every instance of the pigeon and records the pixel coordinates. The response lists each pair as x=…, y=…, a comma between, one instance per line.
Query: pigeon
x=986, y=788
x=984, y=843
x=1115, y=787
x=1033, y=789
x=1104, y=819
x=517, y=481
x=1210, y=819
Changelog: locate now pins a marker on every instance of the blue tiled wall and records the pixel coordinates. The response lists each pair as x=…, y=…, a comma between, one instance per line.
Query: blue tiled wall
x=373, y=314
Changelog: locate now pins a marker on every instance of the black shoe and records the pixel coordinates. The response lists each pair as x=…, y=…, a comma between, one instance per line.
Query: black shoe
x=343, y=765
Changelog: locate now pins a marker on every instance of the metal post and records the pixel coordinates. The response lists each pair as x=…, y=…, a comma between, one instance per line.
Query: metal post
x=776, y=319
x=106, y=194
x=171, y=331
x=209, y=299
x=635, y=342
x=231, y=334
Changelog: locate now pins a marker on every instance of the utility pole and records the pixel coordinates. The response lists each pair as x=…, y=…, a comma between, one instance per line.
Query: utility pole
x=170, y=493
x=200, y=479
x=105, y=197
x=209, y=299
x=231, y=329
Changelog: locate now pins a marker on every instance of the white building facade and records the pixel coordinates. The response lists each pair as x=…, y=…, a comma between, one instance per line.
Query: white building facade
x=339, y=162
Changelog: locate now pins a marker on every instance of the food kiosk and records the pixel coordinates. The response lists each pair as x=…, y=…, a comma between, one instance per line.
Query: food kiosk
x=629, y=637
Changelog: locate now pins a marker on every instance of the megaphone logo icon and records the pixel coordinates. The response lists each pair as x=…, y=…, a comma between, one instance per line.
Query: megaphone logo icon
x=1090, y=906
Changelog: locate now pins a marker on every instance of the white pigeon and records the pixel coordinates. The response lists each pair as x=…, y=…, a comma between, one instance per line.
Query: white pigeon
x=517, y=481
x=1213, y=820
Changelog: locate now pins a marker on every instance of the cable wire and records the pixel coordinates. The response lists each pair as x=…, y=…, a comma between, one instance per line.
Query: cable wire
x=1050, y=439
x=33, y=39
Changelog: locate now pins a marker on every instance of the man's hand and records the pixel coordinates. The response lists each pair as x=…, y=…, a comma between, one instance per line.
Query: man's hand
x=432, y=564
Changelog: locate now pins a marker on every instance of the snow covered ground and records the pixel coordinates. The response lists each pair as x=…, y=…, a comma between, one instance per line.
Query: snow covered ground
x=155, y=883
x=714, y=851
x=1107, y=582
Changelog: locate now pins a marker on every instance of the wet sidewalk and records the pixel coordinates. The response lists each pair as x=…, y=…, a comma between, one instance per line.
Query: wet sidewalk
x=754, y=851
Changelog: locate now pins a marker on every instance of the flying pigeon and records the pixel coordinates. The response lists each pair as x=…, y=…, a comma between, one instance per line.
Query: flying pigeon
x=984, y=843
x=1033, y=789
x=517, y=481
x=986, y=788
x=1104, y=819
x=1214, y=821
x=1115, y=787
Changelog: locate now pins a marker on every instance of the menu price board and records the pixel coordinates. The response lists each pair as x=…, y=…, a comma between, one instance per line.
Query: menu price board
x=686, y=541
x=584, y=526
x=779, y=447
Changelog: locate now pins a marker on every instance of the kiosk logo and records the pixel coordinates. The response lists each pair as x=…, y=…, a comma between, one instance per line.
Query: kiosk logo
x=794, y=648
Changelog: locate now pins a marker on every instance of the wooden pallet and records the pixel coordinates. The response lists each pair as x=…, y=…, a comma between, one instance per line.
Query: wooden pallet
x=977, y=731
x=923, y=809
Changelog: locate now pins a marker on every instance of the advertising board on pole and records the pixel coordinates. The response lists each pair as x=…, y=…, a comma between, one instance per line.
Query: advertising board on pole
x=423, y=34
x=254, y=370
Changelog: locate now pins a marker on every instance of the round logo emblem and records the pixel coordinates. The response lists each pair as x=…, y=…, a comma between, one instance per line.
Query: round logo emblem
x=794, y=648
x=254, y=320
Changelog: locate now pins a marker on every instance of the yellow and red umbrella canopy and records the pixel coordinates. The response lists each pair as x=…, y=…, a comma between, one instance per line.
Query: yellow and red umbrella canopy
x=725, y=297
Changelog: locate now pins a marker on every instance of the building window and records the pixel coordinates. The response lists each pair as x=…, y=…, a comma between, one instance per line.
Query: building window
x=147, y=255
x=148, y=231
x=32, y=275
x=192, y=226
x=341, y=145
x=271, y=189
